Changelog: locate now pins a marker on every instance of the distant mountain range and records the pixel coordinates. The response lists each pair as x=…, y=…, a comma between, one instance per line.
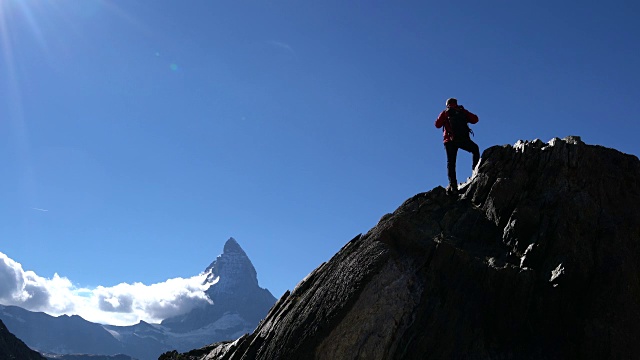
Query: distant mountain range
x=87, y=357
x=238, y=306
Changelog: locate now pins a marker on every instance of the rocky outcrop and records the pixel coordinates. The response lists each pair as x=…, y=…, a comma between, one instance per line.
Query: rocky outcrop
x=537, y=259
x=13, y=348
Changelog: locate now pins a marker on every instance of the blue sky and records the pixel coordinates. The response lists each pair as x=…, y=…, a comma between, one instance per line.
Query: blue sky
x=137, y=136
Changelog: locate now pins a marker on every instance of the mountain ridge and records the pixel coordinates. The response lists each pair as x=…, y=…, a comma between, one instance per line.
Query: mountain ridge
x=534, y=260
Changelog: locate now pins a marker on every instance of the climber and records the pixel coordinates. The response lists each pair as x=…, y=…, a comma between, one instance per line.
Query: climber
x=454, y=121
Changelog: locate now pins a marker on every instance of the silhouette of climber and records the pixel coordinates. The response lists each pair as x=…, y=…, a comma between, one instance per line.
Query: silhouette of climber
x=454, y=120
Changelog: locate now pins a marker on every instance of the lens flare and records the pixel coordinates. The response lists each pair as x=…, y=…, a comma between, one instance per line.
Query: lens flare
x=24, y=23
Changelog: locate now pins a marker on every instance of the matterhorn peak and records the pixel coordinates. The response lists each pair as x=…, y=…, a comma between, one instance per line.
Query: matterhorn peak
x=231, y=270
x=234, y=290
x=232, y=246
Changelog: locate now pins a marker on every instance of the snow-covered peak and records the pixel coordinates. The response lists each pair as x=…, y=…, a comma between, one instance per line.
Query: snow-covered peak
x=233, y=270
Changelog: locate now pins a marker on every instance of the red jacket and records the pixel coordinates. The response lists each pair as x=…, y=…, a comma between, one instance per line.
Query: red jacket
x=442, y=120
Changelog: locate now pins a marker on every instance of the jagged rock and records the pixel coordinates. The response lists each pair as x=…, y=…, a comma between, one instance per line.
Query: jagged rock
x=13, y=348
x=537, y=259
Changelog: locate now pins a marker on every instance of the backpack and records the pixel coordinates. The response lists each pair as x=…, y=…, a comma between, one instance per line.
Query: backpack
x=458, y=123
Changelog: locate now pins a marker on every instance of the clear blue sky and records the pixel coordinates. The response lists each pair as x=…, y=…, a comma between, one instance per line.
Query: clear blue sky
x=151, y=131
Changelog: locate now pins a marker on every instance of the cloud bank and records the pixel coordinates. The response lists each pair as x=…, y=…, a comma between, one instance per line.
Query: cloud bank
x=123, y=304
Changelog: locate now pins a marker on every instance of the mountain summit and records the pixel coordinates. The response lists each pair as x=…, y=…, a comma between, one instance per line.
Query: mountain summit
x=232, y=270
x=536, y=259
x=235, y=294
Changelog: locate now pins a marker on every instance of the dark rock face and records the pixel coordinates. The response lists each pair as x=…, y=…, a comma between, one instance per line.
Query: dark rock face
x=537, y=259
x=13, y=348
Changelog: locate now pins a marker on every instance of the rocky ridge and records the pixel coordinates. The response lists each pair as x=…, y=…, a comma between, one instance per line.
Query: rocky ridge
x=536, y=259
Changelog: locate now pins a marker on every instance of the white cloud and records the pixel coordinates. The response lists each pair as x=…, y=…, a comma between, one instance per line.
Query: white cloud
x=282, y=46
x=123, y=304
